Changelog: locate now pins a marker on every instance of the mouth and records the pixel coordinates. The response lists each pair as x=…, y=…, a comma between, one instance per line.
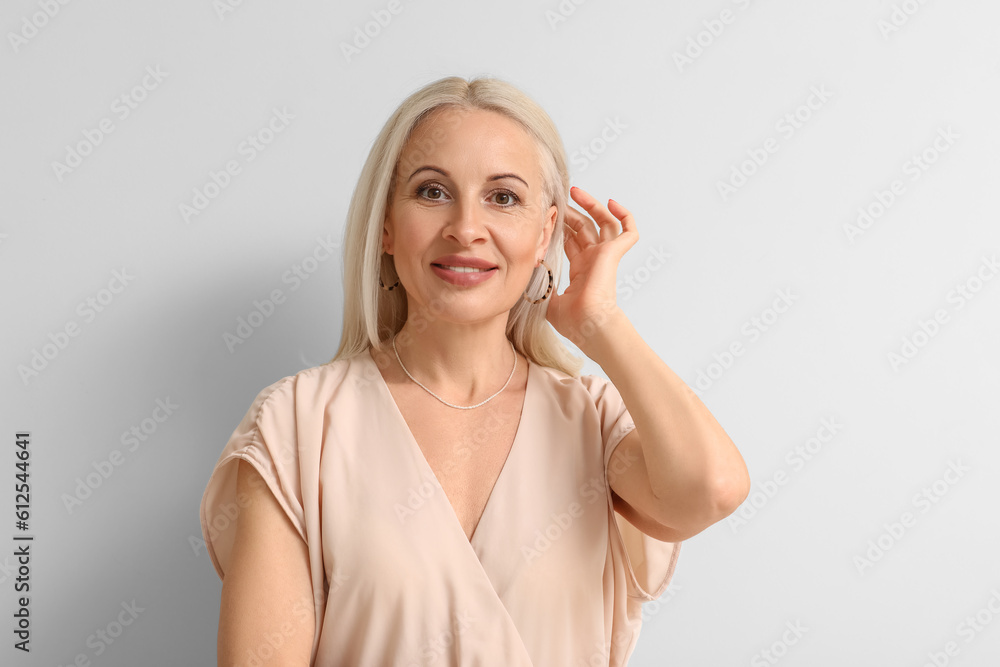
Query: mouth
x=463, y=269
x=463, y=276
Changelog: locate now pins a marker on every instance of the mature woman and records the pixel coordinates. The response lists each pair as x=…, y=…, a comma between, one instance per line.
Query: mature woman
x=448, y=489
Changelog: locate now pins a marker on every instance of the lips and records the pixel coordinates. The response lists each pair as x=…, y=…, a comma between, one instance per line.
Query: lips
x=459, y=261
x=462, y=276
x=462, y=269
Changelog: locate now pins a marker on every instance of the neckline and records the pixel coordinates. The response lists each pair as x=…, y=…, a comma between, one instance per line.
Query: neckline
x=426, y=467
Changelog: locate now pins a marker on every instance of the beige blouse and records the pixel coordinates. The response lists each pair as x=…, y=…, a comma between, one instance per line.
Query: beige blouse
x=552, y=577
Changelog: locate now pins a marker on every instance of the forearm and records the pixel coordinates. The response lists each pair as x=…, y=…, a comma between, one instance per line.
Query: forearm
x=691, y=461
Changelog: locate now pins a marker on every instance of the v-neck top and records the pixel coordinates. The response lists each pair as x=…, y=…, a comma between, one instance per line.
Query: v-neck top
x=425, y=468
x=551, y=576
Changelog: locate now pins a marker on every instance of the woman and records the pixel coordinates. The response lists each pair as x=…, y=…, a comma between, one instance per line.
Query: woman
x=448, y=489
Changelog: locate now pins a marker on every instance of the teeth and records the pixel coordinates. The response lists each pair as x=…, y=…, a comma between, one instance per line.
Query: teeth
x=464, y=269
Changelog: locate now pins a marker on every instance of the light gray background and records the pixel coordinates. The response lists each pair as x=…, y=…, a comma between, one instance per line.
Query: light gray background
x=889, y=85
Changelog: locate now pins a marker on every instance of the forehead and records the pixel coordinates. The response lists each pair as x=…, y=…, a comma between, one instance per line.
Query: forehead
x=474, y=141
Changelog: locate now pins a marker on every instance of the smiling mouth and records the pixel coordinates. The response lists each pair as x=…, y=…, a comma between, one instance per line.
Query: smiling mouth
x=463, y=269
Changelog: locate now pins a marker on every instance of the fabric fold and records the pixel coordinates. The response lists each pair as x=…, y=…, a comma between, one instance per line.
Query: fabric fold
x=553, y=575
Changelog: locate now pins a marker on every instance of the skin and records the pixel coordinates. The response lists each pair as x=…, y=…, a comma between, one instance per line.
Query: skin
x=460, y=349
x=268, y=581
x=267, y=590
x=673, y=476
x=677, y=472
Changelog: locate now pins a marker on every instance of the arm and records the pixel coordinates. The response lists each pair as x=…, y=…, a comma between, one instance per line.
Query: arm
x=267, y=600
x=678, y=471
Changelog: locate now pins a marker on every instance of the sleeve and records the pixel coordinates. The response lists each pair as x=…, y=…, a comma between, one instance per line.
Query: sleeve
x=649, y=563
x=266, y=439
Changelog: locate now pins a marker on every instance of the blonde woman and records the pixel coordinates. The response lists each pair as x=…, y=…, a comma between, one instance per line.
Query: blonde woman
x=448, y=489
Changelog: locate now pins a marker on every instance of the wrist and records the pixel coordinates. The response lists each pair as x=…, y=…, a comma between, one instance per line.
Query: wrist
x=601, y=333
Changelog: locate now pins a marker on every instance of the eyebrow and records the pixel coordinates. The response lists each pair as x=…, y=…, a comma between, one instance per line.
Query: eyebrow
x=494, y=177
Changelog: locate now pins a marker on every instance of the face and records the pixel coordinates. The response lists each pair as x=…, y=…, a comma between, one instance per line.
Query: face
x=469, y=184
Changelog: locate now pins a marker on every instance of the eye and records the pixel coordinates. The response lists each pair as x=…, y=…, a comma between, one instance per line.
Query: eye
x=431, y=188
x=509, y=198
x=436, y=192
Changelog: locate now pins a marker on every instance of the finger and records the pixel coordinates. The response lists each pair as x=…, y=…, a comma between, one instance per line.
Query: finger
x=607, y=222
x=582, y=228
x=571, y=246
x=624, y=215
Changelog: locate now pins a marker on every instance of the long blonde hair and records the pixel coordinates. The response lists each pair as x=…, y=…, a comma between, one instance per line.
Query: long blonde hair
x=373, y=315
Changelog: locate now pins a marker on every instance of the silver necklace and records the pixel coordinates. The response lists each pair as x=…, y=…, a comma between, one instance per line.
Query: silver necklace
x=460, y=407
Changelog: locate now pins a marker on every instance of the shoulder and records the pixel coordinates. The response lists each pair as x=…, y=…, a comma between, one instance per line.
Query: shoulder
x=309, y=386
x=567, y=388
x=559, y=380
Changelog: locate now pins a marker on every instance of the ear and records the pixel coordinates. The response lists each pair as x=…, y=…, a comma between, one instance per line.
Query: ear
x=550, y=225
x=387, y=235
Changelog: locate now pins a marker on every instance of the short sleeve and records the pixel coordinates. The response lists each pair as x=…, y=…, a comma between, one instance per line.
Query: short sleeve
x=649, y=563
x=266, y=439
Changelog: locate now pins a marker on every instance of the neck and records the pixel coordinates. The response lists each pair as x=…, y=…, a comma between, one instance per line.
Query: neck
x=463, y=362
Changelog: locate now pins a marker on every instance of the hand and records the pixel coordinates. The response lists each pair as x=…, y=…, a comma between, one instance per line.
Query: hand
x=589, y=300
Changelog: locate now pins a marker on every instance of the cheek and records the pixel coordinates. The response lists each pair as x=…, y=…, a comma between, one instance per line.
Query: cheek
x=410, y=236
x=521, y=260
x=516, y=238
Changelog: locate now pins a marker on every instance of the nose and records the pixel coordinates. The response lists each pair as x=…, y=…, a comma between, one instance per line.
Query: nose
x=465, y=221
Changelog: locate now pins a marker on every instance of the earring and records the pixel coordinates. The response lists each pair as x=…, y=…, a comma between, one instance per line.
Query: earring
x=547, y=291
x=382, y=285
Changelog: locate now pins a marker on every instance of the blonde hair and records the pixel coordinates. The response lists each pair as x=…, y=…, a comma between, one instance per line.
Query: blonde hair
x=372, y=315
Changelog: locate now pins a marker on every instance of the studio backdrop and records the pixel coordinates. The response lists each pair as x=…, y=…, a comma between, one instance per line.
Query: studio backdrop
x=815, y=189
